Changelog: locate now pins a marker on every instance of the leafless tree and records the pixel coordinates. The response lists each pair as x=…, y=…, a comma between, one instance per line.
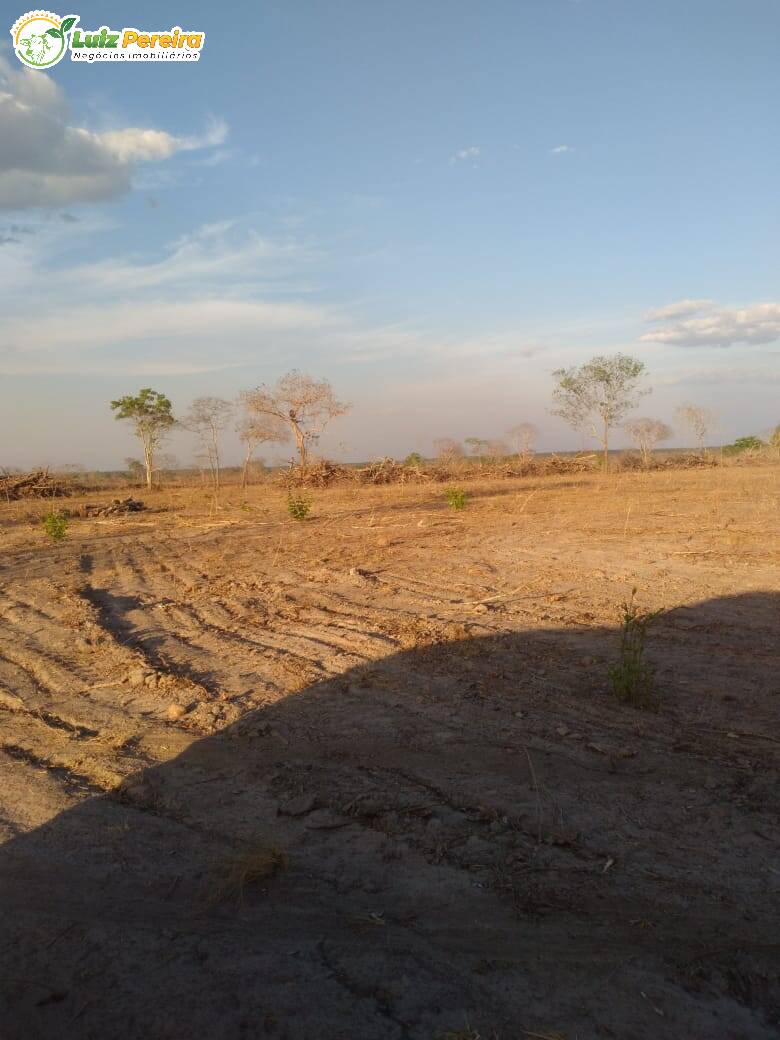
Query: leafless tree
x=522, y=437
x=207, y=417
x=258, y=428
x=447, y=449
x=166, y=465
x=700, y=421
x=478, y=446
x=306, y=404
x=497, y=449
x=647, y=434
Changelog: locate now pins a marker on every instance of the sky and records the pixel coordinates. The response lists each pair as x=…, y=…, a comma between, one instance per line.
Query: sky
x=433, y=205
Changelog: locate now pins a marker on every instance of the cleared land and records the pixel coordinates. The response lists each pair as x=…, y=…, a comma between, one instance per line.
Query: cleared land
x=362, y=777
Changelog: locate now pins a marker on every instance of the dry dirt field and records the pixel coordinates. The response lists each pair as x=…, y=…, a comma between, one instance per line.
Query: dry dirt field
x=362, y=777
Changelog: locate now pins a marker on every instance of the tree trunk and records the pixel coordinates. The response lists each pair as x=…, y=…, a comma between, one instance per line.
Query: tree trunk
x=149, y=462
x=245, y=472
x=216, y=459
x=606, y=446
x=301, y=441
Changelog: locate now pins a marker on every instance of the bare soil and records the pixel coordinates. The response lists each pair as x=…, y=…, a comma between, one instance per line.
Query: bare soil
x=363, y=777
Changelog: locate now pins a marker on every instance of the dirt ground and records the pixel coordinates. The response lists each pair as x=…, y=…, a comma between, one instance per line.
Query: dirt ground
x=362, y=777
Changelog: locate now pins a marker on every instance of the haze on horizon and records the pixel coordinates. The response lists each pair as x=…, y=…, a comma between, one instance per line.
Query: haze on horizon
x=432, y=207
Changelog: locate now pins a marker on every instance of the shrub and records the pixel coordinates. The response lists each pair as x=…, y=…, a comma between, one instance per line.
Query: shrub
x=633, y=680
x=456, y=498
x=298, y=506
x=55, y=524
x=743, y=444
x=414, y=458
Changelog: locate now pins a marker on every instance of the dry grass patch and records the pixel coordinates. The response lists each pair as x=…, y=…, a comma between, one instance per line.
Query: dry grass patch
x=244, y=869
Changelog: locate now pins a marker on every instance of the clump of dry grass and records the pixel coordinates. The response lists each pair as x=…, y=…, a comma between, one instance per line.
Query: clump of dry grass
x=251, y=866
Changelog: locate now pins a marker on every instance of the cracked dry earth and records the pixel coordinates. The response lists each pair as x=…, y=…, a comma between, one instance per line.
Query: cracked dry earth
x=362, y=778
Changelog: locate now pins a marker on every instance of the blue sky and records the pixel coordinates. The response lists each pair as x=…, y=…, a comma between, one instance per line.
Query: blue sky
x=432, y=205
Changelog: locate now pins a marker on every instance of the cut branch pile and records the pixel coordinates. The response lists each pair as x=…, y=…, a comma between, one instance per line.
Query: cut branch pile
x=118, y=507
x=37, y=484
x=322, y=473
x=319, y=474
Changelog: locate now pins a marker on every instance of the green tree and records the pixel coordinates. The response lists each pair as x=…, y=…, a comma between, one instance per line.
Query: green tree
x=751, y=443
x=601, y=392
x=151, y=416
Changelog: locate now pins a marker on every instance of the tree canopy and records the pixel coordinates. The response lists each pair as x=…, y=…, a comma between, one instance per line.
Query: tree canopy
x=151, y=415
x=602, y=391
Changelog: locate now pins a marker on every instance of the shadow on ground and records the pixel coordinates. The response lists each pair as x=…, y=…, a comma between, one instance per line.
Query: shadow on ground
x=473, y=836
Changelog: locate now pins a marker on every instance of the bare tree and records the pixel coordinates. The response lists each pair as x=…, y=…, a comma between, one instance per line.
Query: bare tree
x=497, y=449
x=647, y=434
x=258, y=428
x=478, y=446
x=700, y=421
x=523, y=437
x=447, y=449
x=306, y=404
x=602, y=391
x=207, y=417
x=166, y=465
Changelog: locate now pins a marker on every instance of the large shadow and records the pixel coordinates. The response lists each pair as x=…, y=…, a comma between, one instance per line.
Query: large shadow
x=470, y=836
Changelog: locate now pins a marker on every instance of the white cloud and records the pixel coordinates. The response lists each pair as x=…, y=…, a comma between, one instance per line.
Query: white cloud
x=220, y=297
x=46, y=161
x=214, y=259
x=680, y=309
x=134, y=144
x=466, y=153
x=561, y=149
x=702, y=323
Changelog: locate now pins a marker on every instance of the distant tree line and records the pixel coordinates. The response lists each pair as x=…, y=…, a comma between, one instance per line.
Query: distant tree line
x=297, y=406
x=594, y=398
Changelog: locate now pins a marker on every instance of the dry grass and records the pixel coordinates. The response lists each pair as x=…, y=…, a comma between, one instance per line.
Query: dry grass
x=241, y=870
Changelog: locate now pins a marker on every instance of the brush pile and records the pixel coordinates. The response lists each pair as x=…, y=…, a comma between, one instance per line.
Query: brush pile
x=322, y=474
x=37, y=484
x=117, y=507
x=319, y=474
x=388, y=471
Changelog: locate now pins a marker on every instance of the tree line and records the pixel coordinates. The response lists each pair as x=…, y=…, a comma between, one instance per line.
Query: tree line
x=595, y=398
x=296, y=406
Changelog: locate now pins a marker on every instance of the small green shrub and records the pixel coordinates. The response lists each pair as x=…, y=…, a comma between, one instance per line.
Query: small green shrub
x=55, y=524
x=633, y=680
x=743, y=444
x=456, y=498
x=414, y=458
x=298, y=506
